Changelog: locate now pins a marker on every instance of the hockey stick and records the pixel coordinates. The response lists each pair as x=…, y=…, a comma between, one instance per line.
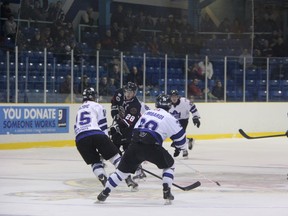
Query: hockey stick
x=187, y=188
x=199, y=173
x=259, y=137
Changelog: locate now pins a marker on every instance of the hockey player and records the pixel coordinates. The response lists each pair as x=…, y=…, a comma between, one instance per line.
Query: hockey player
x=128, y=114
x=181, y=109
x=118, y=100
x=150, y=131
x=92, y=139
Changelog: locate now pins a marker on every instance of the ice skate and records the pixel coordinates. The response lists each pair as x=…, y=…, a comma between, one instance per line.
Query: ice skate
x=185, y=154
x=103, y=179
x=190, y=143
x=167, y=195
x=131, y=183
x=140, y=174
x=103, y=195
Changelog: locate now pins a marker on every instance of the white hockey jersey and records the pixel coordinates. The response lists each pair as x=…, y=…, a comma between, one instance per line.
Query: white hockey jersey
x=161, y=125
x=183, y=108
x=91, y=116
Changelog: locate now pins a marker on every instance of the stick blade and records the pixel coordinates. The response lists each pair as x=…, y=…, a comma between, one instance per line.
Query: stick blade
x=260, y=137
x=192, y=186
x=244, y=134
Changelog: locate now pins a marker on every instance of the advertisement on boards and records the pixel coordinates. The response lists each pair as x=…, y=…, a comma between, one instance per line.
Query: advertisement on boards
x=33, y=120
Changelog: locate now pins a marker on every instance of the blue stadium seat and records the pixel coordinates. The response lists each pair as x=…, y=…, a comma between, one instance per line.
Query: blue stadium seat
x=261, y=84
x=252, y=74
x=276, y=95
x=284, y=85
x=261, y=95
x=262, y=74
x=274, y=85
x=251, y=84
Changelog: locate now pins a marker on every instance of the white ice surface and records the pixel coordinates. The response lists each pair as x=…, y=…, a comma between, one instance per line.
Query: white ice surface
x=56, y=181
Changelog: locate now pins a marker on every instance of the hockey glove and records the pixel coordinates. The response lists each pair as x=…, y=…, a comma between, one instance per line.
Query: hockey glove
x=196, y=122
x=115, y=129
x=176, y=151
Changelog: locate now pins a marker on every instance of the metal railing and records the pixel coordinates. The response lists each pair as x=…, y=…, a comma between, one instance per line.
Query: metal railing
x=37, y=77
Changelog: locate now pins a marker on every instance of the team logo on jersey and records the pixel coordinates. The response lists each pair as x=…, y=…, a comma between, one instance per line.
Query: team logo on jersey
x=133, y=111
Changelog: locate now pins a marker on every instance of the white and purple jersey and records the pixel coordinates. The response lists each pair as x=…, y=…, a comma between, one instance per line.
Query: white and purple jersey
x=183, y=108
x=161, y=125
x=91, y=119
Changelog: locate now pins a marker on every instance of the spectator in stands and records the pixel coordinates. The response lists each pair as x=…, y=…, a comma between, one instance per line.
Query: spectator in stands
x=107, y=41
x=61, y=39
x=210, y=95
x=189, y=46
x=111, y=88
x=129, y=19
x=184, y=27
x=65, y=89
x=269, y=25
x=135, y=77
x=180, y=45
x=87, y=17
x=10, y=28
x=38, y=12
x=279, y=49
x=206, y=68
x=55, y=12
x=137, y=36
x=266, y=50
x=69, y=30
x=116, y=75
x=194, y=92
x=165, y=45
x=46, y=38
x=225, y=25
x=160, y=23
x=153, y=46
x=6, y=11
x=171, y=23
x=26, y=9
x=116, y=61
x=206, y=23
x=36, y=43
x=121, y=42
x=149, y=22
x=248, y=59
x=115, y=29
x=84, y=83
x=118, y=15
x=22, y=41
x=237, y=28
x=104, y=87
x=218, y=90
x=45, y=5
x=195, y=72
x=174, y=46
x=140, y=20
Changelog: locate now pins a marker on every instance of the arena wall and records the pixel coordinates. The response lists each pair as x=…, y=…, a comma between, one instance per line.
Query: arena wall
x=218, y=120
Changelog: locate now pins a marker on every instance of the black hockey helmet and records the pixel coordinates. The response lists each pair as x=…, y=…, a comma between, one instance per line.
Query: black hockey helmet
x=163, y=101
x=130, y=91
x=89, y=94
x=174, y=92
x=131, y=87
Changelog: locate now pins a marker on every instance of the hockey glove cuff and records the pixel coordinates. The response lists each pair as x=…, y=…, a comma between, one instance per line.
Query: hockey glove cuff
x=196, y=122
x=115, y=129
